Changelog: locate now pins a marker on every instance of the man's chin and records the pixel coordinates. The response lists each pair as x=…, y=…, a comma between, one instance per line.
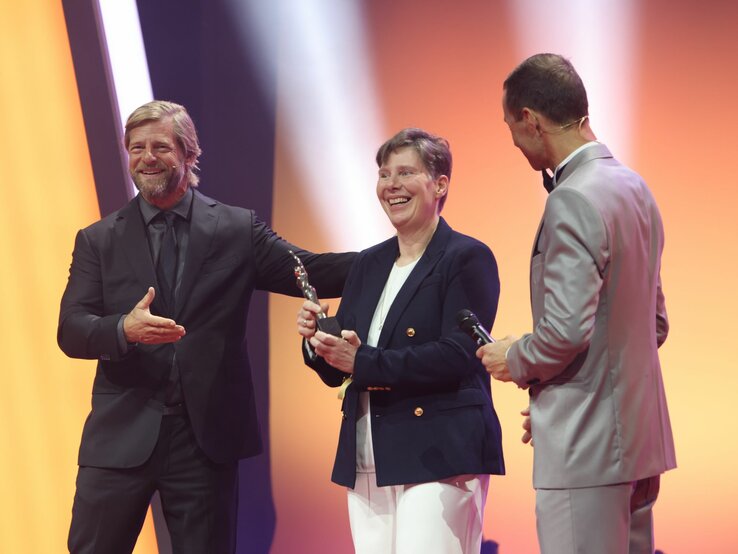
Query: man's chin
x=153, y=190
x=536, y=165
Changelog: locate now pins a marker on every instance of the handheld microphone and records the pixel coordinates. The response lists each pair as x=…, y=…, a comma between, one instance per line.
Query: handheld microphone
x=469, y=323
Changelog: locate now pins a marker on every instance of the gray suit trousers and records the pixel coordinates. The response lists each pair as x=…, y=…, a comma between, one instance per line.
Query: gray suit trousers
x=611, y=519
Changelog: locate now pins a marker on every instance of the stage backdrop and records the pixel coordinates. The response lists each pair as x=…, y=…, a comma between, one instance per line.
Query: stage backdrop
x=662, y=95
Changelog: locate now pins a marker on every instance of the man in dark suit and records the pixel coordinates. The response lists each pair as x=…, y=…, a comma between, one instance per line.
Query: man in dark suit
x=158, y=292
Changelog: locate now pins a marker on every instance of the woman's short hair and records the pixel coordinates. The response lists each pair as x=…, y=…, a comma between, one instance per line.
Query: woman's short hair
x=434, y=152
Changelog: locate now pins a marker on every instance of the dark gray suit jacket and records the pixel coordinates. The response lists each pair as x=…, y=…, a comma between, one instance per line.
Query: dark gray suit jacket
x=230, y=253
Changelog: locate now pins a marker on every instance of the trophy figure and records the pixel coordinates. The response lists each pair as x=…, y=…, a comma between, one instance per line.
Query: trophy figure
x=326, y=324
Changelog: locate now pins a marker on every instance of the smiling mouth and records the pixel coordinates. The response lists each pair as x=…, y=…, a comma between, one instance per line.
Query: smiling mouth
x=397, y=201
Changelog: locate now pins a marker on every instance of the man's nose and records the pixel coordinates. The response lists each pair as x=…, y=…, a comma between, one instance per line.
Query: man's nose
x=149, y=157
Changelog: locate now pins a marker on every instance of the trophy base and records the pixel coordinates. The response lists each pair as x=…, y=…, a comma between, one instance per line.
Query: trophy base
x=329, y=325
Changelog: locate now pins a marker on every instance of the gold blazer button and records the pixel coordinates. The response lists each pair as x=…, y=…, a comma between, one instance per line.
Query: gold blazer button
x=410, y=332
x=418, y=411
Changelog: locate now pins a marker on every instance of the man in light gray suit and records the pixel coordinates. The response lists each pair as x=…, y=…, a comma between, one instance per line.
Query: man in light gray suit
x=598, y=415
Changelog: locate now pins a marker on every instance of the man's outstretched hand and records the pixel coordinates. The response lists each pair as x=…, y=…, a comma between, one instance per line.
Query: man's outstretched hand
x=141, y=326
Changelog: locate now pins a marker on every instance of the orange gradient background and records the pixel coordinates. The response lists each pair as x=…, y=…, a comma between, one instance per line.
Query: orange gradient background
x=440, y=68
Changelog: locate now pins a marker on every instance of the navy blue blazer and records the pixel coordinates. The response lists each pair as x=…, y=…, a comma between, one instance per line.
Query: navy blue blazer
x=437, y=419
x=230, y=253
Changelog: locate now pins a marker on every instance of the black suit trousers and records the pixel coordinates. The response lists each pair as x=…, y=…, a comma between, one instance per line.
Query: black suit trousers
x=198, y=496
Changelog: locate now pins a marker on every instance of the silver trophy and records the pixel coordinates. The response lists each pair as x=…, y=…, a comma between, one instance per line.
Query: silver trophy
x=326, y=324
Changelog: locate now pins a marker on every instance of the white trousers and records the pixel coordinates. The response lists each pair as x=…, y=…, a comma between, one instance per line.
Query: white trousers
x=612, y=519
x=441, y=517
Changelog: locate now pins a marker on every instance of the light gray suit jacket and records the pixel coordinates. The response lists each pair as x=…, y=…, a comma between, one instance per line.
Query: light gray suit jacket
x=598, y=408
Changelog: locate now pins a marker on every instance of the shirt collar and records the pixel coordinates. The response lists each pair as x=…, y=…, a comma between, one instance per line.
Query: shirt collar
x=571, y=156
x=181, y=208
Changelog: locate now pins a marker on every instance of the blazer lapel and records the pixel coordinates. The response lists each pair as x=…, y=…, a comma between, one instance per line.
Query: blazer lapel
x=378, y=264
x=591, y=153
x=594, y=152
x=202, y=232
x=132, y=240
x=425, y=266
x=535, y=250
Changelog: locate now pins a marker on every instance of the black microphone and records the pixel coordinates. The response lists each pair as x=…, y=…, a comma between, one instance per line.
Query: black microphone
x=469, y=323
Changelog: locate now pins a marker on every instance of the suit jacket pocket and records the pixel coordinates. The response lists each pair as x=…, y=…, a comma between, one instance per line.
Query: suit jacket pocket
x=434, y=403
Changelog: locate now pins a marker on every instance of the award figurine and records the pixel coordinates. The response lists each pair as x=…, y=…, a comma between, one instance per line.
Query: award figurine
x=326, y=324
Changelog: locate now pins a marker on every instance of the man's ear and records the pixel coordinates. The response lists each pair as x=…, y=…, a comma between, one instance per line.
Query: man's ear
x=532, y=123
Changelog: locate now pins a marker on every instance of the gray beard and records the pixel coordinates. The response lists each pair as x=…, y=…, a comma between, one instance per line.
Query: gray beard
x=159, y=188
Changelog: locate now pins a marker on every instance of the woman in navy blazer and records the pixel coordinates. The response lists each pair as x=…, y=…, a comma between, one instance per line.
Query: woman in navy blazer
x=419, y=435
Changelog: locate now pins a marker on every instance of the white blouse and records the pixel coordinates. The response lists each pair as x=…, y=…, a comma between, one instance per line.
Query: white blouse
x=364, y=447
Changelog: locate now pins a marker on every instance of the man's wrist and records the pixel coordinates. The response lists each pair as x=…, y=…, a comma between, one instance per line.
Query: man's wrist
x=124, y=345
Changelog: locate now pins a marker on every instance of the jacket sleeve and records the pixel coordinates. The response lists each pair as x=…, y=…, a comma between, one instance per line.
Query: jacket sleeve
x=84, y=331
x=575, y=258
x=328, y=374
x=446, y=359
x=275, y=267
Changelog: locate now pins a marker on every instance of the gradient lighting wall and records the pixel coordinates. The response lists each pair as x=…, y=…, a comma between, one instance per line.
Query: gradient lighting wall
x=440, y=68
x=47, y=184
x=49, y=193
x=671, y=114
x=127, y=55
x=326, y=102
x=47, y=189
